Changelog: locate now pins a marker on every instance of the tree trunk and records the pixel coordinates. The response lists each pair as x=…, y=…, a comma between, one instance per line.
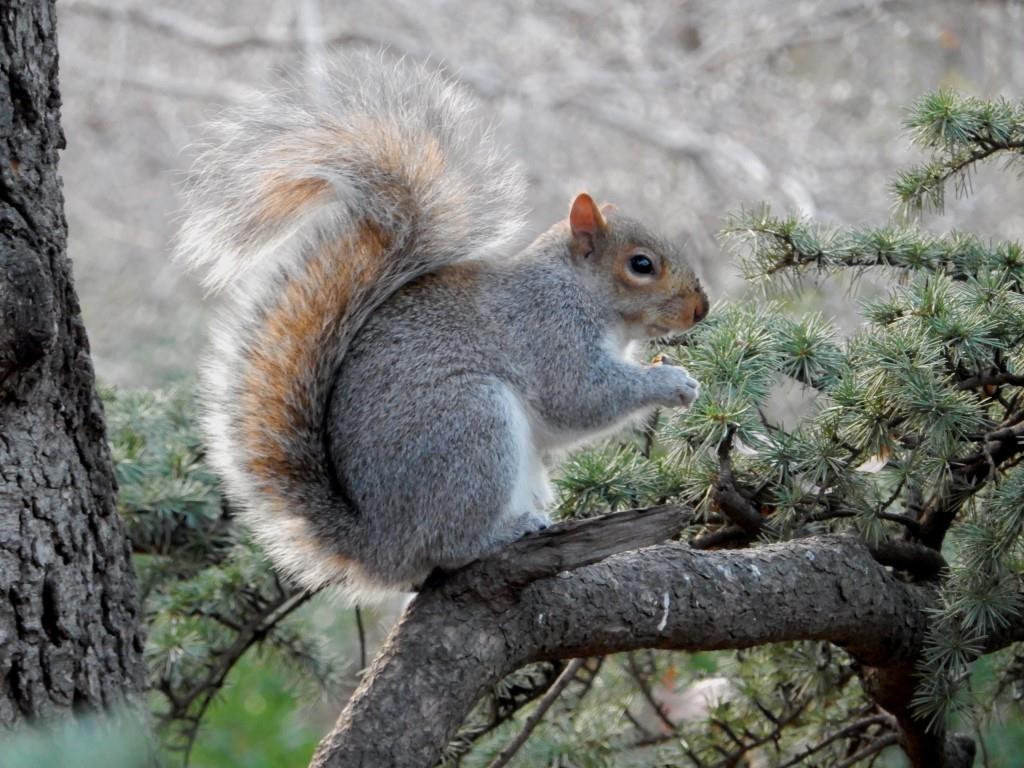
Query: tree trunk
x=69, y=618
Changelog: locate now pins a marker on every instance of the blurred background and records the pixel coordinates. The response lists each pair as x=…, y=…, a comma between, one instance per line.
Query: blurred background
x=679, y=111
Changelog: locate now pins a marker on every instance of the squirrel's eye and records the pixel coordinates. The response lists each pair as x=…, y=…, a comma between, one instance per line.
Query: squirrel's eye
x=641, y=265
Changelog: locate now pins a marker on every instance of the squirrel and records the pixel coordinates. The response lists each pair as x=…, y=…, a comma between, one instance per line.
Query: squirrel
x=389, y=378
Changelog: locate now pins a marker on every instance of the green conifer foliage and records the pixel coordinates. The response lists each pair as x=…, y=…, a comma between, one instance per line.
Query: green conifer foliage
x=209, y=595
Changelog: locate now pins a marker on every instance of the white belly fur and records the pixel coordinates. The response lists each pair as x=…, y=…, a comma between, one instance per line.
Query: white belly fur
x=531, y=489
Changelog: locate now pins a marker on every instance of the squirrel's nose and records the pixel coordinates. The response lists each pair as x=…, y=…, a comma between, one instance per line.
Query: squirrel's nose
x=693, y=309
x=700, y=311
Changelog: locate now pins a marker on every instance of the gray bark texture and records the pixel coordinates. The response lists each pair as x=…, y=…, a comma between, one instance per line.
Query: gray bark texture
x=69, y=619
x=463, y=634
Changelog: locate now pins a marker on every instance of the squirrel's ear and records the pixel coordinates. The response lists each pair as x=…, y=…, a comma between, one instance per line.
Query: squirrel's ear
x=585, y=221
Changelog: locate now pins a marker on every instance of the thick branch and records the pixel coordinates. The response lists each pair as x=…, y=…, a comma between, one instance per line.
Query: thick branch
x=453, y=643
x=576, y=543
x=892, y=687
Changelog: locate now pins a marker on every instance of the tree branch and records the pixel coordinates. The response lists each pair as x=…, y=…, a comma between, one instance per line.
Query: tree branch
x=994, y=380
x=917, y=559
x=576, y=543
x=728, y=497
x=459, y=637
x=538, y=713
x=967, y=477
x=874, y=747
x=855, y=728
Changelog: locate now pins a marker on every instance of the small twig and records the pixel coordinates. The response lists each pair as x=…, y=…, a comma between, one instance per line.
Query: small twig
x=264, y=623
x=831, y=514
x=185, y=28
x=908, y=522
x=645, y=690
x=967, y=477
x=980, y=739
x=538, y=713
x=964, y=163
x=220, y=92
x=650, y=431
x=842, y=733
x=765, y=711
x=727, y=496
x=994, y=379
x=206, y=688
x=502, y=708
x=310, y=32
x=362, y=639
x=724, y=727
x=214, y=616
x=592, y=674
x=780, y=723
x=917, y=559
x=729, y=537
x=894, y=495
x=873, y=748
x=646, y=736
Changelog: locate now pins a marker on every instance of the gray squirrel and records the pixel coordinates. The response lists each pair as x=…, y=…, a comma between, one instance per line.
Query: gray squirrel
x=388, y=377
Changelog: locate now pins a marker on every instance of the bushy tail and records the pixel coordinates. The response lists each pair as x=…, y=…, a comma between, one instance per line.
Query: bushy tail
x=306, y=217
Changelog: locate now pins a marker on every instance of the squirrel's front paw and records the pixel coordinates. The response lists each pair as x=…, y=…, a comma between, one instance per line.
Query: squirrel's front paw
x=675, y=386
x=532, y=522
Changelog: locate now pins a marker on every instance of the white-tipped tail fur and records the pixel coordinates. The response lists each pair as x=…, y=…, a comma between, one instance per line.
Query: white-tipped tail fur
x=305, y=217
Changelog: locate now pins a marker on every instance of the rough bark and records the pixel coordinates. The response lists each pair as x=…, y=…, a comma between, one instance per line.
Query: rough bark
x=69, y=629
x=462, y=635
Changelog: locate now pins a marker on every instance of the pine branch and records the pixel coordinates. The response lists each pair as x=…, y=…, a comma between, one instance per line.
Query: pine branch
x=963, y=132
x=921, y=561
x=967, y=477
x=538, y=713
x=876, y=746
x=992, y=380
x=500, y=706
x=189, y=706
x=853, y=729
x=733, y=504
x=770, y=246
